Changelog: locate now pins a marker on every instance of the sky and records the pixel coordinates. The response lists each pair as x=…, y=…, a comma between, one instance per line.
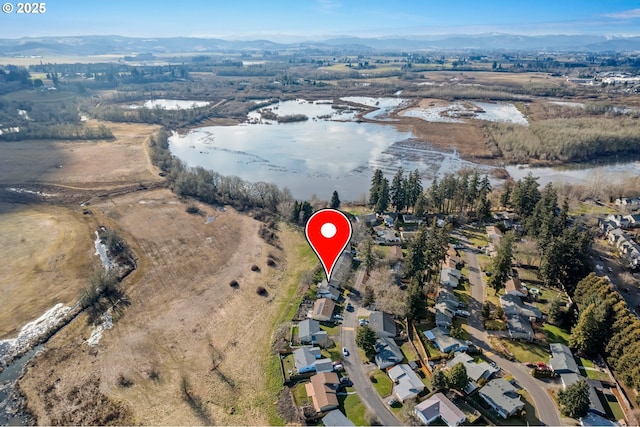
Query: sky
x=279, y=20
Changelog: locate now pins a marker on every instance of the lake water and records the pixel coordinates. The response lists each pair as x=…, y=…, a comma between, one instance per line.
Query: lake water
x=580, y=174
x=317, y=156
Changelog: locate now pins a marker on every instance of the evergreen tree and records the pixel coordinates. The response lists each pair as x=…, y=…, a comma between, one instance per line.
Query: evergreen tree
x=382, y=203
x=416, y=308
x=567, y=259
x=420, y=207
x=457, y=378
x=335, y=201
x=374, y=191
x=502, y=263
x=556, y=314
x=525, y=195
x=307, y=211
x=574, y=400
x=295, y=212
x=438, y=380
x=414, y=189
x=415, y=263
x=585, y=335
x=368, y=255
x=397, y=191
x=505, y=196
x=366, y=339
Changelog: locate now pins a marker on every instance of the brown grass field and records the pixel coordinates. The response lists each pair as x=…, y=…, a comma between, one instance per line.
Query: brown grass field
x=81, y=164
x=184, y=321
x=45, y=252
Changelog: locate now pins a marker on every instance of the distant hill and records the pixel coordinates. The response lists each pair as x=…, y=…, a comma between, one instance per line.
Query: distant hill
x=118, y=45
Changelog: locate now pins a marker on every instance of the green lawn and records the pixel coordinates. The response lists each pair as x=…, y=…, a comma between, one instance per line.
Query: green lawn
x=382, y=383
x=289, y=365
x=300, y=394
x=463, y=292
x=555, y=334
x=331, y=330
x=495, y=325
x=461, y=323
x=527, y=352
x=408, y=351
x=612, y=406
x=353, y=408
x=585, y=363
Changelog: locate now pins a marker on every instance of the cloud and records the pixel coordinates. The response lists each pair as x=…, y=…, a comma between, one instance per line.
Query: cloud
x=327, y=6
x=625, y=14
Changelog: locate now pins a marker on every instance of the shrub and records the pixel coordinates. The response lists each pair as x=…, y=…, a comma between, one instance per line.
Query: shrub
x=124, y=382
x=271, y=263
x=234, y=284
x=192, y=209
x=255, y=268
x=262, y=291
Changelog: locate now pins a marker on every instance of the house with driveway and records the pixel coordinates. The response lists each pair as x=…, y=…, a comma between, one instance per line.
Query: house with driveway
x=502, y=396
x=322, y=391
x=323, y=309
x=387, y=353
x=382, y=324
x=439, y=406
x=475, y=371
x=407, y=384
x=309, y=333
x=519, y=316
x=308, y=359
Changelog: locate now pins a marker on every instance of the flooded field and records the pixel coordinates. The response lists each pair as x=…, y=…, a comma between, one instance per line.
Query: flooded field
x=578, y=174
x=325, y=153
x=455, y=112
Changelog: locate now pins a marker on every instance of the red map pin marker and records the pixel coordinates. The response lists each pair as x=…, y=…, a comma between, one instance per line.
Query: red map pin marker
x=328, y=232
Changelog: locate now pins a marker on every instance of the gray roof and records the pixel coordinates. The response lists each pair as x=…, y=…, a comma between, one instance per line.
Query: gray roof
x=592, y=419
x=382, y=323
x=445, y=342
x=307, y=328
x=336, y=418
x=503, y=395
x=513, y=305
x=519, y=326
x=475, y=371
x=595, y=404
x=443, y=314
x=324, y=365
x=388, y=352
x=440, y=405
x=303, y=357
x=570, y=378
x=408, y=383
x=562, y=359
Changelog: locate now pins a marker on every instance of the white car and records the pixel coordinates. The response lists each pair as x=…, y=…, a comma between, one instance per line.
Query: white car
x=345, y=351
x=363, y=322
x=462, y=313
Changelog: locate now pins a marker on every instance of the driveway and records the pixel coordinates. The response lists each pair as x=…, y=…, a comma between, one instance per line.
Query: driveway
x=357, y=370
x=545, y=406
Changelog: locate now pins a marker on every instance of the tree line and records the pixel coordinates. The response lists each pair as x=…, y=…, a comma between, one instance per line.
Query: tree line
x=607, y=326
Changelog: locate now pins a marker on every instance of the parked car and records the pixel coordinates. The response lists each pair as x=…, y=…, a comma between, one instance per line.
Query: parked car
x=345, y=351
x=363, y=322
x=462, y=313
x=349, y=307
x=393, y=402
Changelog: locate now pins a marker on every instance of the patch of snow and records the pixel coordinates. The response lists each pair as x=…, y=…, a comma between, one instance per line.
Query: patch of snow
x=24, y=115
x=22, y=190
x=9, y=130
x=171, y=104
x=101, y=250
x=452, y=113
x=501, y=112
x=568, y=104
x=83, y=118
x=96, y=334
x=32, y=331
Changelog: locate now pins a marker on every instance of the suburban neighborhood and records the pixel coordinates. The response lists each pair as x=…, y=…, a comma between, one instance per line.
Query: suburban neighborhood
x=478, y=354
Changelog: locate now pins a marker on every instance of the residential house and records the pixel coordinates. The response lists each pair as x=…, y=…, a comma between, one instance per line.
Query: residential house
x=323, y=309
x=627, y=202
x=514, y=305
x=634, y=220
x=519, y=327
x=305, y=359
x=563, y=363
x=382, y=324
x=450, y=277
x=475, y=371
x=502, y=396
x=335, y=418
x=408, y=235
x=439, y=406
x=322, y=391
x=389, y=219
x=513, y=286
x=387, y=237
x=443, y=341
x=387, y=353
x=619, y=220
x=370, y=219
x=444, y=315
x=407, y=383
x=595, y=403
x=327, y=290
x=595, y=420
x=411, y=219
x=309, y=333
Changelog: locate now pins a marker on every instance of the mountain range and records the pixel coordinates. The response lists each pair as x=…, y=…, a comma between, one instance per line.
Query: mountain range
x=104, y=45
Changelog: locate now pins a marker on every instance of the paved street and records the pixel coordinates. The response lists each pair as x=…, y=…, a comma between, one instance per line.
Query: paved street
x=547, y=412
x=357, y=371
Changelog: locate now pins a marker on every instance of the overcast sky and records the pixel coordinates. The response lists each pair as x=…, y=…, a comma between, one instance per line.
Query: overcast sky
x=314, y=19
